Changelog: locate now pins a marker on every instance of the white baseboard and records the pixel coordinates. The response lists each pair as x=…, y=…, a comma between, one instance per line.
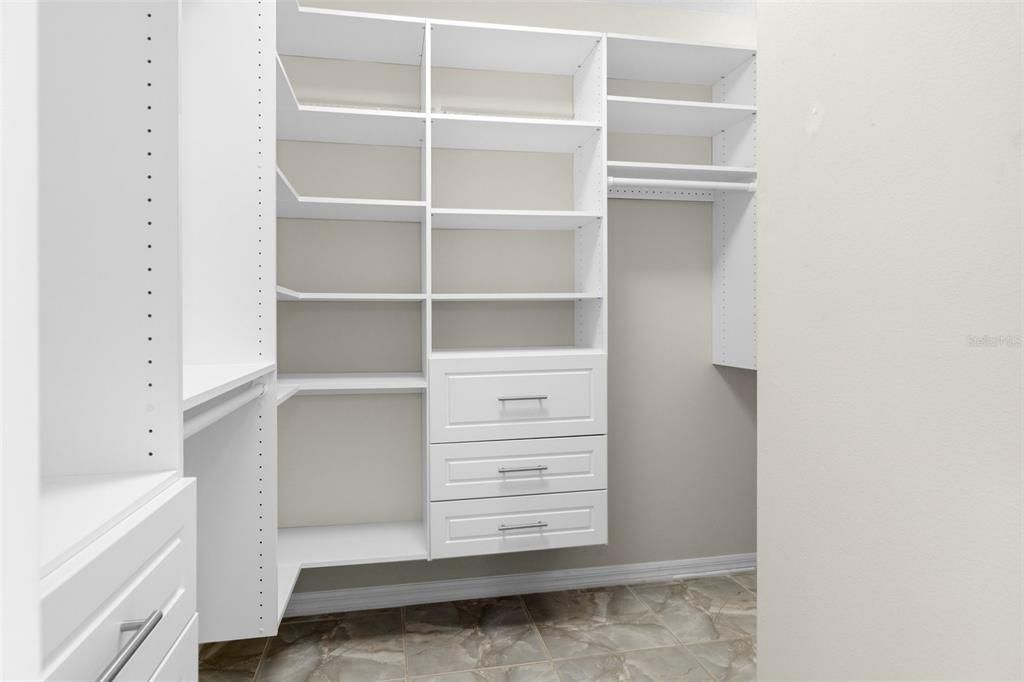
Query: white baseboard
x=407, y=594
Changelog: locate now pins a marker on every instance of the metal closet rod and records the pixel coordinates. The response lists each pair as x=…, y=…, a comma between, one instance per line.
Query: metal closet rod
x=194, y=425
x=651, y=183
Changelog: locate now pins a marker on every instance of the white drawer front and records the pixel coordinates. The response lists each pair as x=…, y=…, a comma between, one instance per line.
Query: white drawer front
x=518, y=524
x=182, y=663
x=494, y=398
x=144, y=564
x=461, y=471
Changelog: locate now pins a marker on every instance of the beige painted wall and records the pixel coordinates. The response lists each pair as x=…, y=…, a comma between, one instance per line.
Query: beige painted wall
x=681, y=432
x=890, y=218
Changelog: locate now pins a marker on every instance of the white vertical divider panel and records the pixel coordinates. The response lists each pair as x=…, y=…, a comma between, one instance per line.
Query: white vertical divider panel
x=19, y=341
x=734, y=233
x=591, y=194
x=229, y=227
x=426, y=248
x=108, y=241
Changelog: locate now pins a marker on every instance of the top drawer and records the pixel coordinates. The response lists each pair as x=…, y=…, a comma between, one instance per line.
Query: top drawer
x=517, y=396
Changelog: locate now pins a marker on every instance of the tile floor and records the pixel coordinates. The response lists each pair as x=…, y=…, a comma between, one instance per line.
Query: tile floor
x=697, y=629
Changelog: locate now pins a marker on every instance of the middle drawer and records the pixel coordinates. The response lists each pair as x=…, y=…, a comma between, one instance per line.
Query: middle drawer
x=460, y=471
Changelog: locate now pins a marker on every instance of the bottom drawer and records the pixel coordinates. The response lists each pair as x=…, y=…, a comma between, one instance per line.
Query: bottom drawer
x=518, y=524
x=181, y=664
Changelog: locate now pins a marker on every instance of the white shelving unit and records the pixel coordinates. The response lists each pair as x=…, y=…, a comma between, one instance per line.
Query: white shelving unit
x=729, y=119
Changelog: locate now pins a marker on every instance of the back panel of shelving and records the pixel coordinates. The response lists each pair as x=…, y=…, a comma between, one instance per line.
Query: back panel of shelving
x=108, y=175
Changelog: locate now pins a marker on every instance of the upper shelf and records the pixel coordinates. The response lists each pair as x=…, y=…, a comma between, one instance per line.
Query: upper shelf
x=292, y=205
x=335, y=34
x=468, y=45
x=316, y=123
x=457, y=131
x=286, y=294
x=667, y=61
x=480, y=219
x=681, y=171
x=205, y=382
x=560, y=296
x=674, y=117
x=354, y=383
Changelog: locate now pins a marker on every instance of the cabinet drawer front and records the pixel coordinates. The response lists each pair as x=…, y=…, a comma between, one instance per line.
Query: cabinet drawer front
x=495, y=398
x=144, y=564
x=517, y=467
x=518, y=524
x=182, y=662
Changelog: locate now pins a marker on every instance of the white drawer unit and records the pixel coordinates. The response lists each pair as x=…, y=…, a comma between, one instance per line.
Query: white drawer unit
x=461, y=471
x=181, y=664
x=518, y=524
x=494, y=397
x=129, y=595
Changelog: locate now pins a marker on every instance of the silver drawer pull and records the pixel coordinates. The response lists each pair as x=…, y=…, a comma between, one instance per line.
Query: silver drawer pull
x=525, y=526
x=142, y=629
x=511, y=470
x=511, y=398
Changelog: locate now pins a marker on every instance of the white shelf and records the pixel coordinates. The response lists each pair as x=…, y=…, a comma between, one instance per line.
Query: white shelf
x=468, y=45
x=290, y=204
x=286, y=294
x=285, y=391
x=567, y=296
x=459, y=131
x=335, y=34
x=350, y=545
x=354, y=383
x=201, y=383
x=668, y=61
x=319, y=123
x=680, y=171
x=75, y=510
x=476, y=219
x=674, y=117
x=476, y=353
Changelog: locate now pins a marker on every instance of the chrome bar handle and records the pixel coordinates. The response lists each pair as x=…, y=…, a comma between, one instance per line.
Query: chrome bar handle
x=142, y=629
x=510, y=470
x=510, y=398
x=525, y=526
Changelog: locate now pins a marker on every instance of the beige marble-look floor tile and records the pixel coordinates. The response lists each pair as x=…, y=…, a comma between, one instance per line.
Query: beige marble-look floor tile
x=234, y=661
x=590, y=622
x=533, y=672
x=362, y=646
x=702, y=609
x=747, y=579
x=671, y=664
x=476, y=633
x=731, y=661
x=607, y=668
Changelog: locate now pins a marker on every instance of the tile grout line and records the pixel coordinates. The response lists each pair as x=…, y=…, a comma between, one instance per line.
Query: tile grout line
x=543, y=644
x=405, y=652
x=263, y=655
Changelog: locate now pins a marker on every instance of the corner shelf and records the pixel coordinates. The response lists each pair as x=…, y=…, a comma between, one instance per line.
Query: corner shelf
x=561, y=296
x=674, y=117
x=352, y=383
x=285, y=391
x=291, y=204
x=75, y=510
x=458, y=131
x=286, y=294
x=477, y=219
x=345, y=545
x=670, y=61
x=201, y=383
x=339, y=124
x=681, y=171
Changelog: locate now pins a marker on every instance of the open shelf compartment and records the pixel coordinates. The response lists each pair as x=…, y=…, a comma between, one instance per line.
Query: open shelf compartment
x=649, y=116
x=490, y=47
x=336, y=34
x=353, y=383
x=458, y=131
x=669, y=61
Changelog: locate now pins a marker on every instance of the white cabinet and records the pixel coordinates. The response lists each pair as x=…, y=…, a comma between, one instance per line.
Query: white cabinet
x=181, y=664
x=517, y=396
x=518, y=524
x=518, y=467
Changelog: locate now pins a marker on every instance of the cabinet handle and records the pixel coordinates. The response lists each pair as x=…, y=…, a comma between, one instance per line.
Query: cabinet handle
x=510, y=398
x=510, y=470
x=525, y=526
x=142, y=629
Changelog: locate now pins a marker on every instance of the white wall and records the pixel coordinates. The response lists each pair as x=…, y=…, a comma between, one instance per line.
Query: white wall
x=889, y=485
